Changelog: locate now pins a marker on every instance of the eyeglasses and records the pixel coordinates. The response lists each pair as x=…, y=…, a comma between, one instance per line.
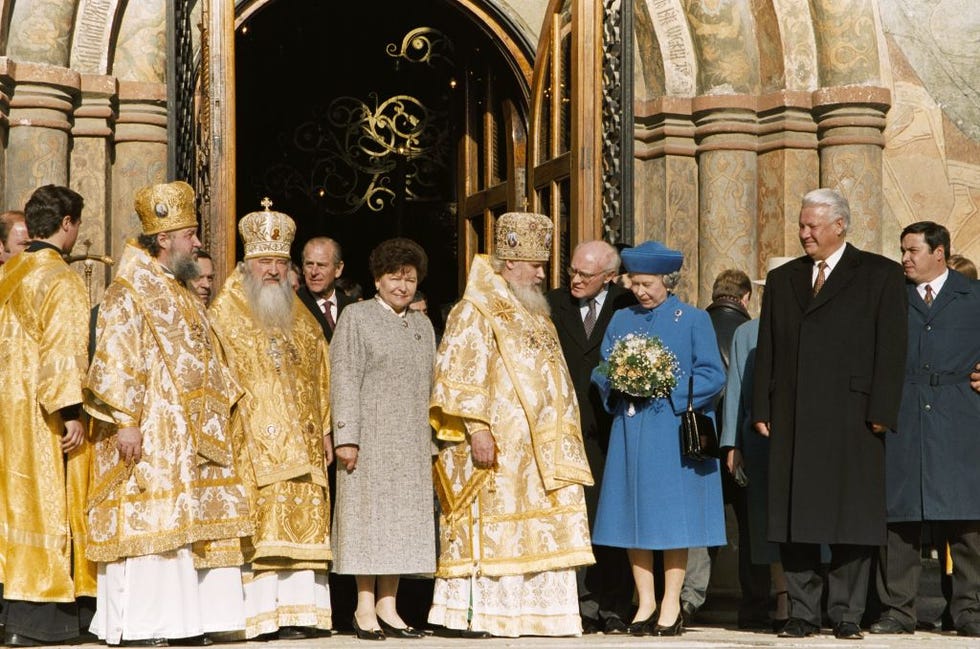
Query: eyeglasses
x=588, y=277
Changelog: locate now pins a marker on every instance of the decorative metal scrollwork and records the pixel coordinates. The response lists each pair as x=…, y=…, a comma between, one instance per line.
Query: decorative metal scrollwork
x=617, y=118
x=423, y=45
x=360, y=152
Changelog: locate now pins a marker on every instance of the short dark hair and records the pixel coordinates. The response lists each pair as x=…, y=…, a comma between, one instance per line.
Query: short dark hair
x=7, y=221
x=48, y=206
x=731, y=283
x=933, y=233
x=394, y=254
x=201, y=253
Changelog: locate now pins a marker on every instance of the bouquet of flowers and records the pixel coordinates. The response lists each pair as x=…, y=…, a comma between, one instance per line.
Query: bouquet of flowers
x=641, y=366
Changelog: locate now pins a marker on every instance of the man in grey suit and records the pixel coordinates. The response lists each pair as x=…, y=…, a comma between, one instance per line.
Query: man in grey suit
x=931, y=463
x=606, y=588
x=828, y=381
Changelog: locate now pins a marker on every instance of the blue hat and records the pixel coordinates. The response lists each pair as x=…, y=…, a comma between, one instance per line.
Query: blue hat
x=652, y=258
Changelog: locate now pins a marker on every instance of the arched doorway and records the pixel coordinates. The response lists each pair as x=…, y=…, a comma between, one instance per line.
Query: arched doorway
x=361, y=120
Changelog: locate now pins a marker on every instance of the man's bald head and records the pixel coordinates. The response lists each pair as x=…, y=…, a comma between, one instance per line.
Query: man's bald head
x=594, y=264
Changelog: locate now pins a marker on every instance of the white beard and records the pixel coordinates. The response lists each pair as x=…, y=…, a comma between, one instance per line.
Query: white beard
x=271, y=304
x=532, y=297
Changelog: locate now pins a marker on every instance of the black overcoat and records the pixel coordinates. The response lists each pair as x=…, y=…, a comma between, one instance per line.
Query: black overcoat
x=582, y=354
x=309, y=300
x=932, y=461
x=826, y=366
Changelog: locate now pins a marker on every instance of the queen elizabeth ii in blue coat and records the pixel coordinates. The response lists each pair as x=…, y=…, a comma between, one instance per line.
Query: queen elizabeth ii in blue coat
x=652, y=498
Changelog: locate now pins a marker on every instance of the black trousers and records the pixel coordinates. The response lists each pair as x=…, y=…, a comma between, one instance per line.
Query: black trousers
x=605, y=589
x=49, y=622
x=900, y=566
x=847, y=581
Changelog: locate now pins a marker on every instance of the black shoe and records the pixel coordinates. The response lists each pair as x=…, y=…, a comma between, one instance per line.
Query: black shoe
x=969, y=629
x=642, y=627
x=614, y=625
x=688, y=611
x=19, y=640
x=797, y=628
x=590, y=625
x=754, y=623
x=296, y=632
x=889, y=625
x=676, y=628
x=403, y=632
x=149, y=642
x=847, y=631
x=193, y=641
x=367, y=634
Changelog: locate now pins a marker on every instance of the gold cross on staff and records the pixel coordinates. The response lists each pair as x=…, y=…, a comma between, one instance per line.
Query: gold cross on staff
x=266, y=203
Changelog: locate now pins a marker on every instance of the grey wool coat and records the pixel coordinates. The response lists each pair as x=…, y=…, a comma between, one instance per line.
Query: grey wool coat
x=380, y=377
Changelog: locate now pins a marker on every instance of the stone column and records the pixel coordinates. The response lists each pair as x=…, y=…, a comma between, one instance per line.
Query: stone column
x=788, y=168
x=665, y=176
x=851, y=124
x=40, y=125
x=90, y=173
x=141, y=155
x=726, y=129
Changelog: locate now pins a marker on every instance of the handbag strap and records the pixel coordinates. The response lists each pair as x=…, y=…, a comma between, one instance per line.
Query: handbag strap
x=690, y=393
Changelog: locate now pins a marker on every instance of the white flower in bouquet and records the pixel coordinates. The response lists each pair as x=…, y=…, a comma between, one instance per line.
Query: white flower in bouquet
x=641, y=366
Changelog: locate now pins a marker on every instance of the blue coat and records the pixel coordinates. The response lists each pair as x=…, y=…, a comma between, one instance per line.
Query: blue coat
x=651, y=497
x=931, y=462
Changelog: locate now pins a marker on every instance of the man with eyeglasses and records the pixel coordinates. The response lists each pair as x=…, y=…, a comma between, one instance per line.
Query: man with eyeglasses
x=581, y=313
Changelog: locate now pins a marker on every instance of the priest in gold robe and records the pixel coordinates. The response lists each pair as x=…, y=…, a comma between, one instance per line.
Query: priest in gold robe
x=164, y=480
x=512, y=465
x=282, y=430
x=43, y=452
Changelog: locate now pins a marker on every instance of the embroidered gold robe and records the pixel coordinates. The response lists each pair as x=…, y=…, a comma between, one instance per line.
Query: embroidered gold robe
x=43, y=334
x=500, y=367
x=157, y=366
x=280, y=422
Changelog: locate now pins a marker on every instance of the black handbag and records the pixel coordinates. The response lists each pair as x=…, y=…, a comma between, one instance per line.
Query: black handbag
x=699, y=441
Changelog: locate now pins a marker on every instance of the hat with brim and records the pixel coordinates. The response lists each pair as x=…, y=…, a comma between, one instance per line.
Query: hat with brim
x=652, y=258
x=774, y=262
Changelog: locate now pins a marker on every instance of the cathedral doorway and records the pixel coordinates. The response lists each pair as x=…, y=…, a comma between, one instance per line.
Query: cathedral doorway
x=361, y=120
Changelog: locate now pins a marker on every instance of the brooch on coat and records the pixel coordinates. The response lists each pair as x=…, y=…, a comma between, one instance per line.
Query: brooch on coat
x=677, y=315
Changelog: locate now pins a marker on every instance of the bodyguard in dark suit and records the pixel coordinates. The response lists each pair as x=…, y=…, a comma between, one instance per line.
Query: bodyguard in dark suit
x=323, y=263
x=931, y=462
x=828, y=382
x=605, y=589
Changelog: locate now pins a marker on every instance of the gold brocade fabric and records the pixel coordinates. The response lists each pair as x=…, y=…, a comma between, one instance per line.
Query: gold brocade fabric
x=43, y=335
x=281, y=421
x=157, y=366
x=502, y=367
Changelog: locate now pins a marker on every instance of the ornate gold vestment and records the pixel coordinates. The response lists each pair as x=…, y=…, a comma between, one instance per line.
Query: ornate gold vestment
x=43, y=320
x=157, y=366
x=501, y=367
x=279, y=426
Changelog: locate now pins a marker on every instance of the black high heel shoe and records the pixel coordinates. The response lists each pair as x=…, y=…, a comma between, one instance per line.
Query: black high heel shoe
x=641, y=627
x=395, y=632
x=676, y=628
x=367, y=634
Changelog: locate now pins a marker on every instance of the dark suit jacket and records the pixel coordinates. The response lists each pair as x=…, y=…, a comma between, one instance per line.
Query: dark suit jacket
x=825, y=367
x=307, y=298
x=582, y=355
x=931, y=465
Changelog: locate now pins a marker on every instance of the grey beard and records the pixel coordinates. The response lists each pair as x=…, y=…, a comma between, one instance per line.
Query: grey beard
x=185, y=268
x=271, y=304
x=532, y=298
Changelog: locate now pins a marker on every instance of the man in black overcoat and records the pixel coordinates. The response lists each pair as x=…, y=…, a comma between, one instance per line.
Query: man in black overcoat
x=323, y=263
x=828, y=381
x=931, y=462
x=606, y=588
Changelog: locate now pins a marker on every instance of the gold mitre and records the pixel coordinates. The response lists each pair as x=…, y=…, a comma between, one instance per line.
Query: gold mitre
x=166, y=207
x=523, y=236
x=267, y=233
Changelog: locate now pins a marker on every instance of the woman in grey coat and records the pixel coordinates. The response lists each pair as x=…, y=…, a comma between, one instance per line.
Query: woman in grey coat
x=381, y=360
